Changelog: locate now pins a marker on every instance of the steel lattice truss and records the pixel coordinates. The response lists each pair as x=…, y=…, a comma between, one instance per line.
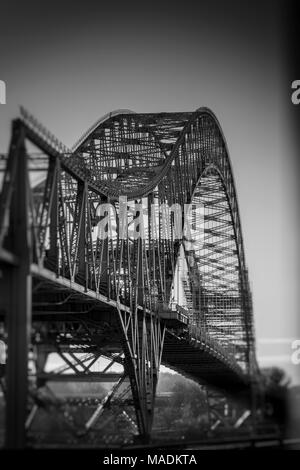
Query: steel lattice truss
x=184, y=302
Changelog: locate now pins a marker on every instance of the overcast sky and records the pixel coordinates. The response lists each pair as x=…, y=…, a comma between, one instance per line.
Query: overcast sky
x=70, y=64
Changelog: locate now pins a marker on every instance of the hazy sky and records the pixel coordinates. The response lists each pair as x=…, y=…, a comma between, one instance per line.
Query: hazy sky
x=69, y=64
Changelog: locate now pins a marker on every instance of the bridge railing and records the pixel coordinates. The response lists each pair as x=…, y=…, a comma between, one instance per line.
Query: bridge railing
x=198, y=333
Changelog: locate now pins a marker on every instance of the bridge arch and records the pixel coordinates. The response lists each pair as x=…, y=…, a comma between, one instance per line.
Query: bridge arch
x=179, y=152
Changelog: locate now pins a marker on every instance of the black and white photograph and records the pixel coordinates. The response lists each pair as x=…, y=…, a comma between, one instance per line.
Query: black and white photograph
x=149, y=229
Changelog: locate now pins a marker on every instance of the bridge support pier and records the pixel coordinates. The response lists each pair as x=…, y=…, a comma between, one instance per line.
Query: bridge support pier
x=18, y=311
x=143, y=344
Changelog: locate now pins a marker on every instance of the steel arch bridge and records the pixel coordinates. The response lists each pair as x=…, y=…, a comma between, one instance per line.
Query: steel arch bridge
x=94, y=260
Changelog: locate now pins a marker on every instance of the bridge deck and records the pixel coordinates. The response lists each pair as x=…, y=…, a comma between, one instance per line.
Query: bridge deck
x=200, y=360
